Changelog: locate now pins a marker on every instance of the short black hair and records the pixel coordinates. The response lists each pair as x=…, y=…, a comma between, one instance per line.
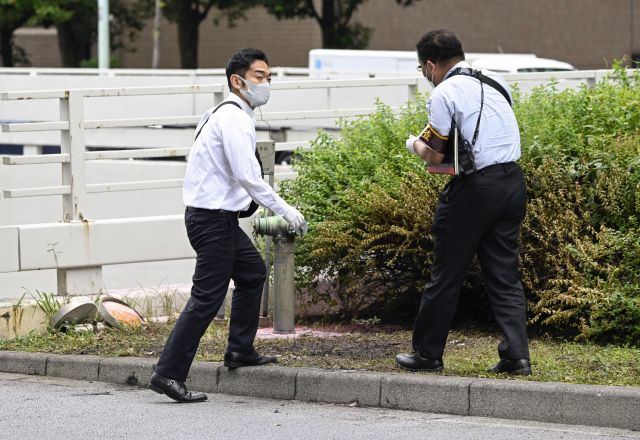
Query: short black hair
x=242, y=60
x=439, y=45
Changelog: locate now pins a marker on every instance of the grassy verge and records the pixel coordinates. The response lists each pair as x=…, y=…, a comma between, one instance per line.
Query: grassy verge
x=468, y=353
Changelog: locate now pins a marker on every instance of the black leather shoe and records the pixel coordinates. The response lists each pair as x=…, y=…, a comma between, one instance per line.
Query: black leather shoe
x=415, y=362
x=520, y=367
x=174, y=389
x=233, y=359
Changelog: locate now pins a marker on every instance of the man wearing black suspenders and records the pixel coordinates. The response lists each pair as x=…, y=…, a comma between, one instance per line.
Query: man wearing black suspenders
x=481, y=208
x=223, y=182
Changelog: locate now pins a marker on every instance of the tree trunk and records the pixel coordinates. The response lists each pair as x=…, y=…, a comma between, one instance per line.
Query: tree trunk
x=6, y=46
x=328, y=25
x=73, y=48
x=188, y=20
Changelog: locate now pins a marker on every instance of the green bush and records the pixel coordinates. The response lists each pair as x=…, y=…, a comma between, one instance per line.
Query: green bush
x=362, y=196
x=370, y=205
x=581, y=156
x=573, y=266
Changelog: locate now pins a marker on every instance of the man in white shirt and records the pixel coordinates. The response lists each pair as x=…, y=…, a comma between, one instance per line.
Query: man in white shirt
x=223, y=182
x=479, y=212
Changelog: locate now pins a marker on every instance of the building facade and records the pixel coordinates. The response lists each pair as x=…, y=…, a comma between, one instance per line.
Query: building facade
x=586, y=33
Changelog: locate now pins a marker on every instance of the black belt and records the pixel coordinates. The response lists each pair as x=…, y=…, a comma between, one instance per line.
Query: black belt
x=504, y=167
x=214, y=211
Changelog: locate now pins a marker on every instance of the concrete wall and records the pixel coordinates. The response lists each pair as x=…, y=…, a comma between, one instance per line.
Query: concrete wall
x=286, y=42
x=586, y=33
x=41, y=46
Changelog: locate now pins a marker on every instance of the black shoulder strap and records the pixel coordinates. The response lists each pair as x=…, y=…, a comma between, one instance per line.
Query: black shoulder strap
x=483, y=78
x=215, y=110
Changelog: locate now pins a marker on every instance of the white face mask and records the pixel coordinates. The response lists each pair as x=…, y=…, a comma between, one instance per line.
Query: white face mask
x=426, y=76
x=256, y=94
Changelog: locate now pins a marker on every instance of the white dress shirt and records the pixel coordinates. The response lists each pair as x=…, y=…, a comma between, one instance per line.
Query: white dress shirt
x=222, y=170
x=459, y=97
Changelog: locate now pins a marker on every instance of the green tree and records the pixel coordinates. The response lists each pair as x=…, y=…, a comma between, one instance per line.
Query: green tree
x=13, y=14
x=77, y=24
x=334, y=18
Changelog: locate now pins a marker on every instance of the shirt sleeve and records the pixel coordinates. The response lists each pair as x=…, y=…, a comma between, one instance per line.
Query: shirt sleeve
x=436, y=133
x=440, y=114
x=238, y=140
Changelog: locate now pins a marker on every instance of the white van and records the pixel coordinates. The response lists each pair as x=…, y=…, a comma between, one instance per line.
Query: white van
x=349, y=63
x=516, y=63
x=344, y=63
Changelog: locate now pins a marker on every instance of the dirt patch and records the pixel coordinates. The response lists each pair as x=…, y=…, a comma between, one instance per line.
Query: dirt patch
x=354, y=346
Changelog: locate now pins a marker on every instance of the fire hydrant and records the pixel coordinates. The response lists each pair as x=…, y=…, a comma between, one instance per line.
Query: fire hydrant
x=283, y=271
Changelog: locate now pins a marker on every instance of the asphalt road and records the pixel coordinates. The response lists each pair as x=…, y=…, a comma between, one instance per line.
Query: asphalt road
x=33, y=407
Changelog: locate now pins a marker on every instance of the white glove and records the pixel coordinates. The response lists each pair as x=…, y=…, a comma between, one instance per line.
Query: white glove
x=409, y=144
x=296, y=221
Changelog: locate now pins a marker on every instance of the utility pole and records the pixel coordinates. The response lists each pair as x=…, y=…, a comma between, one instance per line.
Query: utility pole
x=635, y=48
x=103, y=34
x=155, y=60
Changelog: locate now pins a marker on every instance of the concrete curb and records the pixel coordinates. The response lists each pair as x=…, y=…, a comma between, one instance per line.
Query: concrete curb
x=604, y=406
x=428, y=393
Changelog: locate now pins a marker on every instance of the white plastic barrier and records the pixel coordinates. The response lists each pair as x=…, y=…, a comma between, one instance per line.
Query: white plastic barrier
x=95, y=243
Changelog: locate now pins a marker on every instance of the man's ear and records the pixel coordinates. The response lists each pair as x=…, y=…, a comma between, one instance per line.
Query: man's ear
x=236, y=83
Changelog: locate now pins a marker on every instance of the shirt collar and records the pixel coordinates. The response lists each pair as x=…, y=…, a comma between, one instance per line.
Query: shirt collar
x=246, y=107
x=460, y=64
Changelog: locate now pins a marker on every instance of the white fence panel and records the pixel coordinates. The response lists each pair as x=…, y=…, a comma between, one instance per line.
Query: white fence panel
x=103, y=242
x=10, y=261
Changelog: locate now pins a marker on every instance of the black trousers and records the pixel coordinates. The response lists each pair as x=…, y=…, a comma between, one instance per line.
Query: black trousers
x=477, y=214
x=223, y=252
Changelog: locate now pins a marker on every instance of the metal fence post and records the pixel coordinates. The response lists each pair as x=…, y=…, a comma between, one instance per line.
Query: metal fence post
x=84, y=280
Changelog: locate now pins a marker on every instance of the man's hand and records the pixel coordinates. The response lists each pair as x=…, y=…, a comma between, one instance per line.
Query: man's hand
x=297, y=221
x=416, y=146
x=409, y=144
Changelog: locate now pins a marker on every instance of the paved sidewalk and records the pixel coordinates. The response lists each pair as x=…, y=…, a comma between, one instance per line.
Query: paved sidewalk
x=604, y=406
